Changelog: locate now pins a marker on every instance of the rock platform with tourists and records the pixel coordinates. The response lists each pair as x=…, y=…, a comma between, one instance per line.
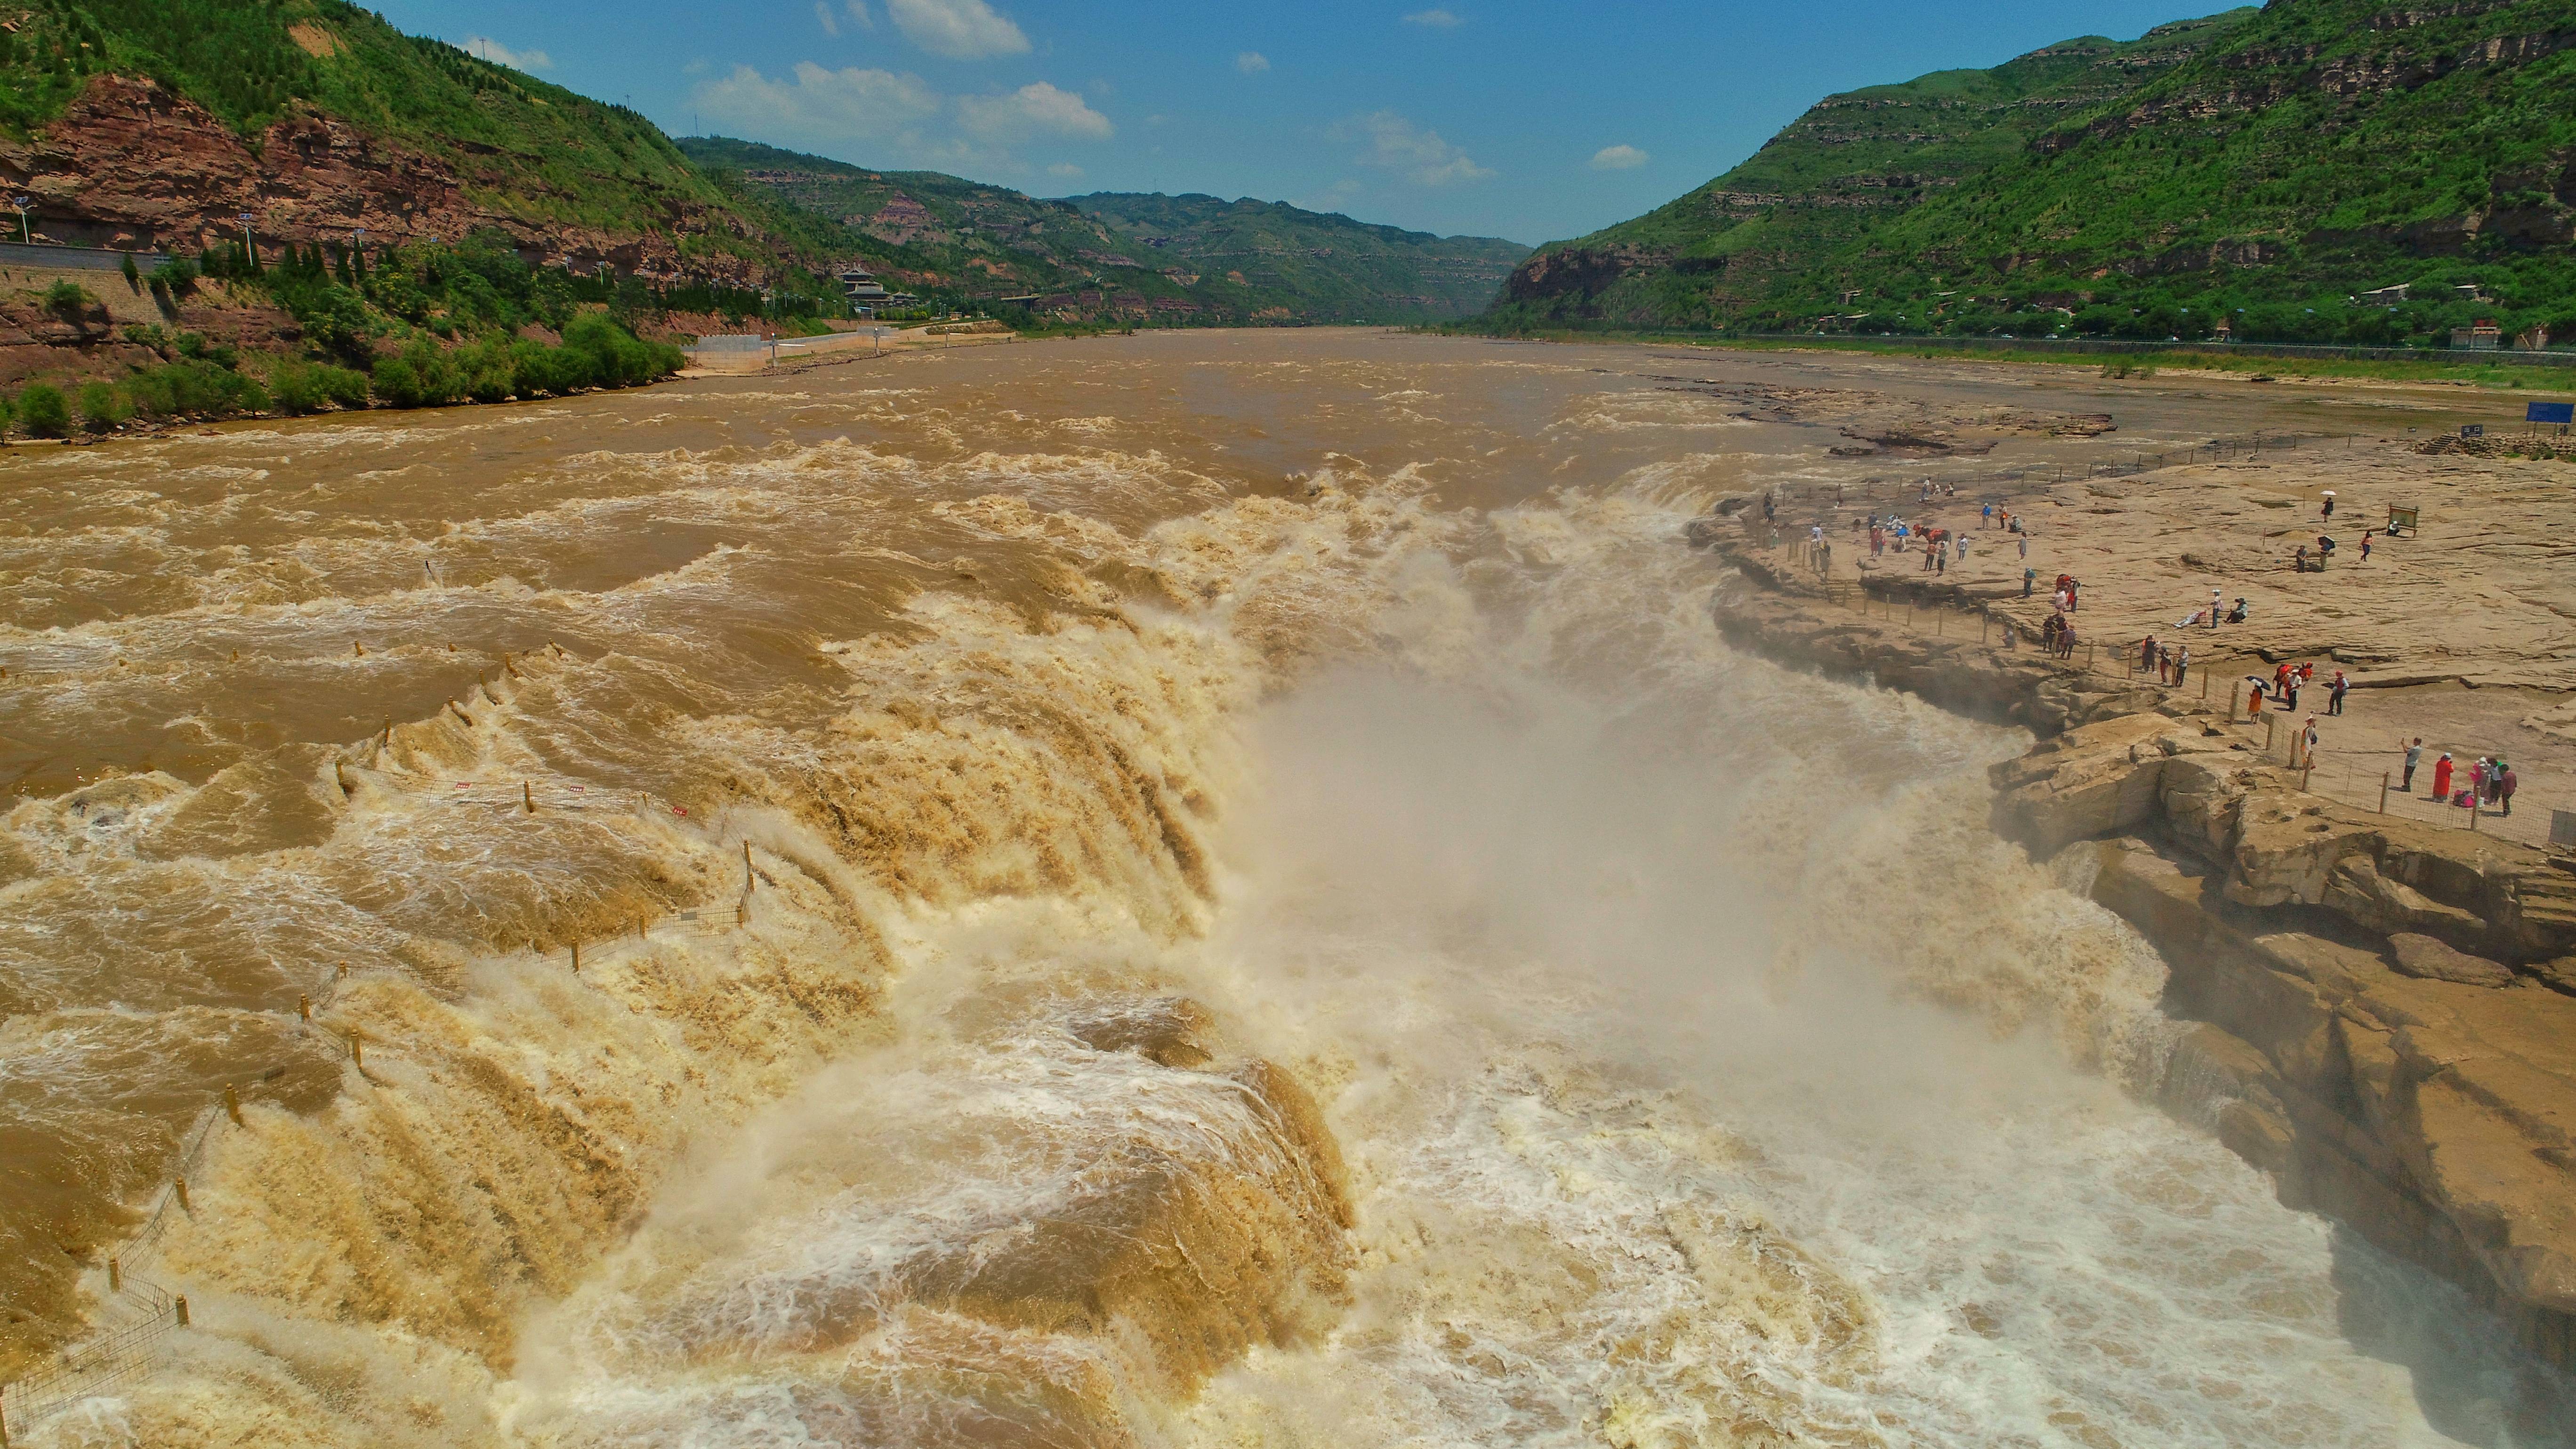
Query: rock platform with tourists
x=2383, y=1008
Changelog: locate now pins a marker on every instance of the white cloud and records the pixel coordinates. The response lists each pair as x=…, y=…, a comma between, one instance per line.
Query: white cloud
x=1033, y=110
x=1434, y=20
x=957, y=29
x=823, y=17
x=1252, y=62
x=1618, y=158
x=1399, y=145
x=859, y=16
x=1065, y=169
x=486, y=48
x=847, y=104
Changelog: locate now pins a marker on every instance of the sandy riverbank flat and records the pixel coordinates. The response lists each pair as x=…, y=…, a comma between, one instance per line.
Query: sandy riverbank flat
x=2464, y=633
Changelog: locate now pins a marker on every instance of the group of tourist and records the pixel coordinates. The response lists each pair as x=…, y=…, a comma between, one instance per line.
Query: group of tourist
x=2288, y=679
x=2491, y=781
x=2170, y=662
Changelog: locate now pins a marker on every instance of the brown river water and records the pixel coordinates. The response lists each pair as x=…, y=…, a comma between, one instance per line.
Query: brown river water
x=1272, y=920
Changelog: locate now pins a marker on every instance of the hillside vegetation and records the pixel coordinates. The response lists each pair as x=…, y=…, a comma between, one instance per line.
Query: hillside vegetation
x=1173, y=259
x=521, y=147
x=2263, y=167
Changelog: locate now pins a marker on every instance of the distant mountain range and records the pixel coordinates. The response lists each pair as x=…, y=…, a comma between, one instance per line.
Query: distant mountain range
x=157, y=124
x=2316, y=170
x=1172, y=258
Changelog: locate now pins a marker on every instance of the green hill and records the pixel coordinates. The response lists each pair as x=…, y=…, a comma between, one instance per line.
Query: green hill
x=2265, y=167
x=1178, y=259
x=445, y=142
x=1333, y=265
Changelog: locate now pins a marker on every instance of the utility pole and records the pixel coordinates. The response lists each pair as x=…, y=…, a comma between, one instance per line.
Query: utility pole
x=25, y=234
x=250, y=244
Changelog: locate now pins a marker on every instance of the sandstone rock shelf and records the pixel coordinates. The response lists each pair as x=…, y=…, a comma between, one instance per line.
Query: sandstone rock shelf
x=2383, y=1008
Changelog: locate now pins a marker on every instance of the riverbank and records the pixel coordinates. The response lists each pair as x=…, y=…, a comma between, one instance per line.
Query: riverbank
x=2550, y=374
x=2381, y=1006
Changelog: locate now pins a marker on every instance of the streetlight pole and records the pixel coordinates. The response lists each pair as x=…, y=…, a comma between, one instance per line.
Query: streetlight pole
x=250, y=244
x=25, y=233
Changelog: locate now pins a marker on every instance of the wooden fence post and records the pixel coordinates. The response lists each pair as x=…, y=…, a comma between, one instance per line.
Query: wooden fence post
x=179, y=1305
x=232, y=1104
x=576, y=958
x=304, y=1008
x=115, y=1276
x=357, y=1049
x=2383, y=792
x=181, y=1185
x=527, y=797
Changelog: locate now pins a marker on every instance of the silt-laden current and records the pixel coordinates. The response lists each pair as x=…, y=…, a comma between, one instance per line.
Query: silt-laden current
x=1210, y=889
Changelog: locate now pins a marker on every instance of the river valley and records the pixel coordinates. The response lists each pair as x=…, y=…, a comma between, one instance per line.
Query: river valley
x=1208, y=889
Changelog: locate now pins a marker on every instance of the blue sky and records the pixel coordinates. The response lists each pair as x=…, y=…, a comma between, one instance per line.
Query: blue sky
x=1529, y=119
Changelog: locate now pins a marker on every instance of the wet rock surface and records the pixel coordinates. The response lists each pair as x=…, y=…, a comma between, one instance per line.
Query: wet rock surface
x=2384, y=1009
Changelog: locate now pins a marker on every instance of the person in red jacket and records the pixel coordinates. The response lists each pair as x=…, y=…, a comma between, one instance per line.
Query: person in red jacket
x=2442, y=778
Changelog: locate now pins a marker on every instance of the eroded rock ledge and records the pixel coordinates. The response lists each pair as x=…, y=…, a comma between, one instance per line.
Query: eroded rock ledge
x=2384, y=1011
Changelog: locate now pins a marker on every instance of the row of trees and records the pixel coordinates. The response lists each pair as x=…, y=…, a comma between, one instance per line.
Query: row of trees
x=415, y=326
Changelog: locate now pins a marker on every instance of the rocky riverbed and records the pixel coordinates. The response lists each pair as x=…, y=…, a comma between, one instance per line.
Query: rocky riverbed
x=2385, y=1006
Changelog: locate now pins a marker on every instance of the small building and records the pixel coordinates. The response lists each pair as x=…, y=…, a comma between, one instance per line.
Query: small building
x=2226, y=330
x=2485, y=336
x=863, y=289
x=2386, y=296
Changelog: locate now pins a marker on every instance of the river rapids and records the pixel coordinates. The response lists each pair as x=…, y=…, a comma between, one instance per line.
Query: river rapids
x=1214, y=890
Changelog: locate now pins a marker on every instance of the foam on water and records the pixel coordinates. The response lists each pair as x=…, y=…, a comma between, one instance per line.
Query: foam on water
x=1320, y=965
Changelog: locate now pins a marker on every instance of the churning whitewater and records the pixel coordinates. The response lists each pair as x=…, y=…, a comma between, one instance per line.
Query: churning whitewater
x=1216, y=890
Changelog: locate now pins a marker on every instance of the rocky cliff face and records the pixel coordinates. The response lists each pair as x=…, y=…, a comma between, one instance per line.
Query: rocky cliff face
x=133, y=166
x=2385, y=1010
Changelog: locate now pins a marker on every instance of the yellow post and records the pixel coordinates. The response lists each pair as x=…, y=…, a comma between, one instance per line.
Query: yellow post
x=746, y=867
x=2383, y=792
x=576, y=958
x=304, y=1008
x=2271, y=723
x=527, y=797
x=115, y=1277
x=357, y=1050
x=344, y=971
x=232, y=1104
x=181, y=1185
x=180, y=1305
x=2473, y=810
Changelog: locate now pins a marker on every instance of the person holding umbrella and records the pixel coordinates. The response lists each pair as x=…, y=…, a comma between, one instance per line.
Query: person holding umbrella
x=2328, y=515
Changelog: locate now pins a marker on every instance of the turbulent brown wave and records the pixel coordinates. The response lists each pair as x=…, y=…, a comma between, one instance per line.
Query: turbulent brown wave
x=1218, y=892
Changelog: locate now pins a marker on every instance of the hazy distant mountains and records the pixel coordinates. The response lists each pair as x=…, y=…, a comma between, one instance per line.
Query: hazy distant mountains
x=2266, y=167
x=1178, y=259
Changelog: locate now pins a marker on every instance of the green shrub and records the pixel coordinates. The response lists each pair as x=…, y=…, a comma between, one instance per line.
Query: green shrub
x=542, y=371
x=66, y=299
x=176, y=277
x=307, y=387
x=194, y=387
x=419, y=376
x=485, y=371
x=100, y=408
x=133, y=274
x=616, y=358
x=43, y=413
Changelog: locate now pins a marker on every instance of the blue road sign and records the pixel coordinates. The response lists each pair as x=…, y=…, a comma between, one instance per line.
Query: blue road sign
x=2550, y=413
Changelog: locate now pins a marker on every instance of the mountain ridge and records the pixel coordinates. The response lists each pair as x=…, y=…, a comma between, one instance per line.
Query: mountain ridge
x=982, y=241
x=2261, y=168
